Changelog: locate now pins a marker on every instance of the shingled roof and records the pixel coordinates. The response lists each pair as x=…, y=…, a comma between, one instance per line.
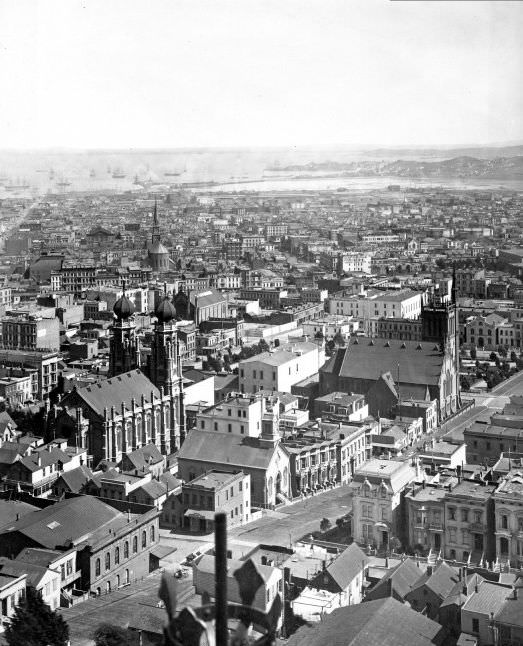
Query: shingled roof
x=226, y=448
x=372, y=623
x=112, y=392
x=366, y=358
x=65, y=522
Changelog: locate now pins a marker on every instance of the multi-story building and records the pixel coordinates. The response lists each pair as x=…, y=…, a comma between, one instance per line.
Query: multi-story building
x=325, y=455
x=30, y=333
x=375, y=304
x=269, y=299
x=201, y=498
x=508, y=502
x=37, y=470
x=485, y=442
x=341, y=407
x=15, y=388
x=44, y=364
x=426, y=517
x=241, y=414
x=330, y=326
x=357, y=262
x=107, y=558
x=378, y=489
x=75, y=278
x=12, y=592
x=469, y=521
x=281, y=368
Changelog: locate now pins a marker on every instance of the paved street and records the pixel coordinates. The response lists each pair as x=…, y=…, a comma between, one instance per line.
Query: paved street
x=119, y=607
x=294, y=521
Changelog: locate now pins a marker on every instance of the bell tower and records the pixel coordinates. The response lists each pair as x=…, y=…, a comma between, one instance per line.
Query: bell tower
x=165, y=370
x=124, y=353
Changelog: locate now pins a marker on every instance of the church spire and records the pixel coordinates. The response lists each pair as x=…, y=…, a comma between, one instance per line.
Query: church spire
x=454, y=285
x=155, y=237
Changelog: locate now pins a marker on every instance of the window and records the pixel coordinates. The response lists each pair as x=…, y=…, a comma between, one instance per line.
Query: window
x=202, y=424
x=475, y=625
x=465, y=515
x=144, y=538
x=135, y=544
x=229, y=412
x=452, y=513
x=69, y=567
x=126, y=550
x=107, y=561
x=117, y=556
x=520, y=524
x=477, y=516
x=240, y=486
x=97, y=567
x=504, y=522
x=151, y=533
x=215, y=426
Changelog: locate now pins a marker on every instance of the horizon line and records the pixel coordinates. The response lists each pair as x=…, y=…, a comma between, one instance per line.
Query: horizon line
x=247, y=147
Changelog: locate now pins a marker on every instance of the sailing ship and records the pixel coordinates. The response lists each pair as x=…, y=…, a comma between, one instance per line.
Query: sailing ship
x=118, y=173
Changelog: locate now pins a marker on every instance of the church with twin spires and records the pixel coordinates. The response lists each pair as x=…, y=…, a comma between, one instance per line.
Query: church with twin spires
x=137, y=405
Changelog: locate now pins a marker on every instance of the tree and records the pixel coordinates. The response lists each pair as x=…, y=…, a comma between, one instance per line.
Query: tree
x=493, y=356
x=325, y=524
x=513, y=356
x=473, y=352
x=35, y=624
x=339, y=339
x=109, y=635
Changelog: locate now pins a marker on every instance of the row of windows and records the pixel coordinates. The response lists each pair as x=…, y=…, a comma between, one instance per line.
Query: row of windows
x=116, y=561
x=477, y=515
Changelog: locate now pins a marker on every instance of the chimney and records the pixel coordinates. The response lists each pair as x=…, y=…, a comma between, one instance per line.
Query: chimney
x=429, y=570
x=17, y=516
x=476, y=585
x=515, y=593
x=128, y=515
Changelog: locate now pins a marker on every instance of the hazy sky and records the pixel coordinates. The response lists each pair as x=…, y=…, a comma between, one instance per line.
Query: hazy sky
x=169, y=73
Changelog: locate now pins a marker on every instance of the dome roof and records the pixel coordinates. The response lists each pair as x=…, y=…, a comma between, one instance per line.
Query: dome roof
x=165, y=310
x=123, y=308
x=158, y=248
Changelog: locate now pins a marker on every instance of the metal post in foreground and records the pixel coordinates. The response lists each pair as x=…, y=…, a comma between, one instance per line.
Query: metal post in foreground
x=220, y=561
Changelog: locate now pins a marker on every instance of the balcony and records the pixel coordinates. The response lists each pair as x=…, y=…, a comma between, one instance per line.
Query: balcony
x=478, y=527
x=435, y=526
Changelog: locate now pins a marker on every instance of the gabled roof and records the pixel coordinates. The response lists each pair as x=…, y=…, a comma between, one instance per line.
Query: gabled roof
x=366, y=358
x=154, y=489
x=226, y=449
x=77, y=478
x=113, y=392
x=441, y=580
x=347, y=566
x=144, y=456
x=5, y=420
x=400, y=580
x=35, y=573
x=63, y=523
x=372, y=623
x=45, y=458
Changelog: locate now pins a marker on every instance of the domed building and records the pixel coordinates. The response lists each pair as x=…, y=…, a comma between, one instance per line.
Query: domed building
x=124, y=353
x=134, y=407
x=157, y=254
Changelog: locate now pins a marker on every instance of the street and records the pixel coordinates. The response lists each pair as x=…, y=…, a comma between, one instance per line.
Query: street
x=118, y=608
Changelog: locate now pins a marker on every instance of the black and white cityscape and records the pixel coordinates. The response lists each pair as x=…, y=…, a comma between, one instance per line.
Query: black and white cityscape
x=261, y=323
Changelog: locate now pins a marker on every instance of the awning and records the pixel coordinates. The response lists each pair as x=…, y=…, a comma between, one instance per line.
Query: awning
x=200, y=513
x=161, y=551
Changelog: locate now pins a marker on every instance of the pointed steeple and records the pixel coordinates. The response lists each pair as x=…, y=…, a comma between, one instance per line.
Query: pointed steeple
x=155, y=213
x=454, y=286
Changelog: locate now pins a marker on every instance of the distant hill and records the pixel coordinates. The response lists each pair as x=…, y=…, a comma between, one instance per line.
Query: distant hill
x=464, y=166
